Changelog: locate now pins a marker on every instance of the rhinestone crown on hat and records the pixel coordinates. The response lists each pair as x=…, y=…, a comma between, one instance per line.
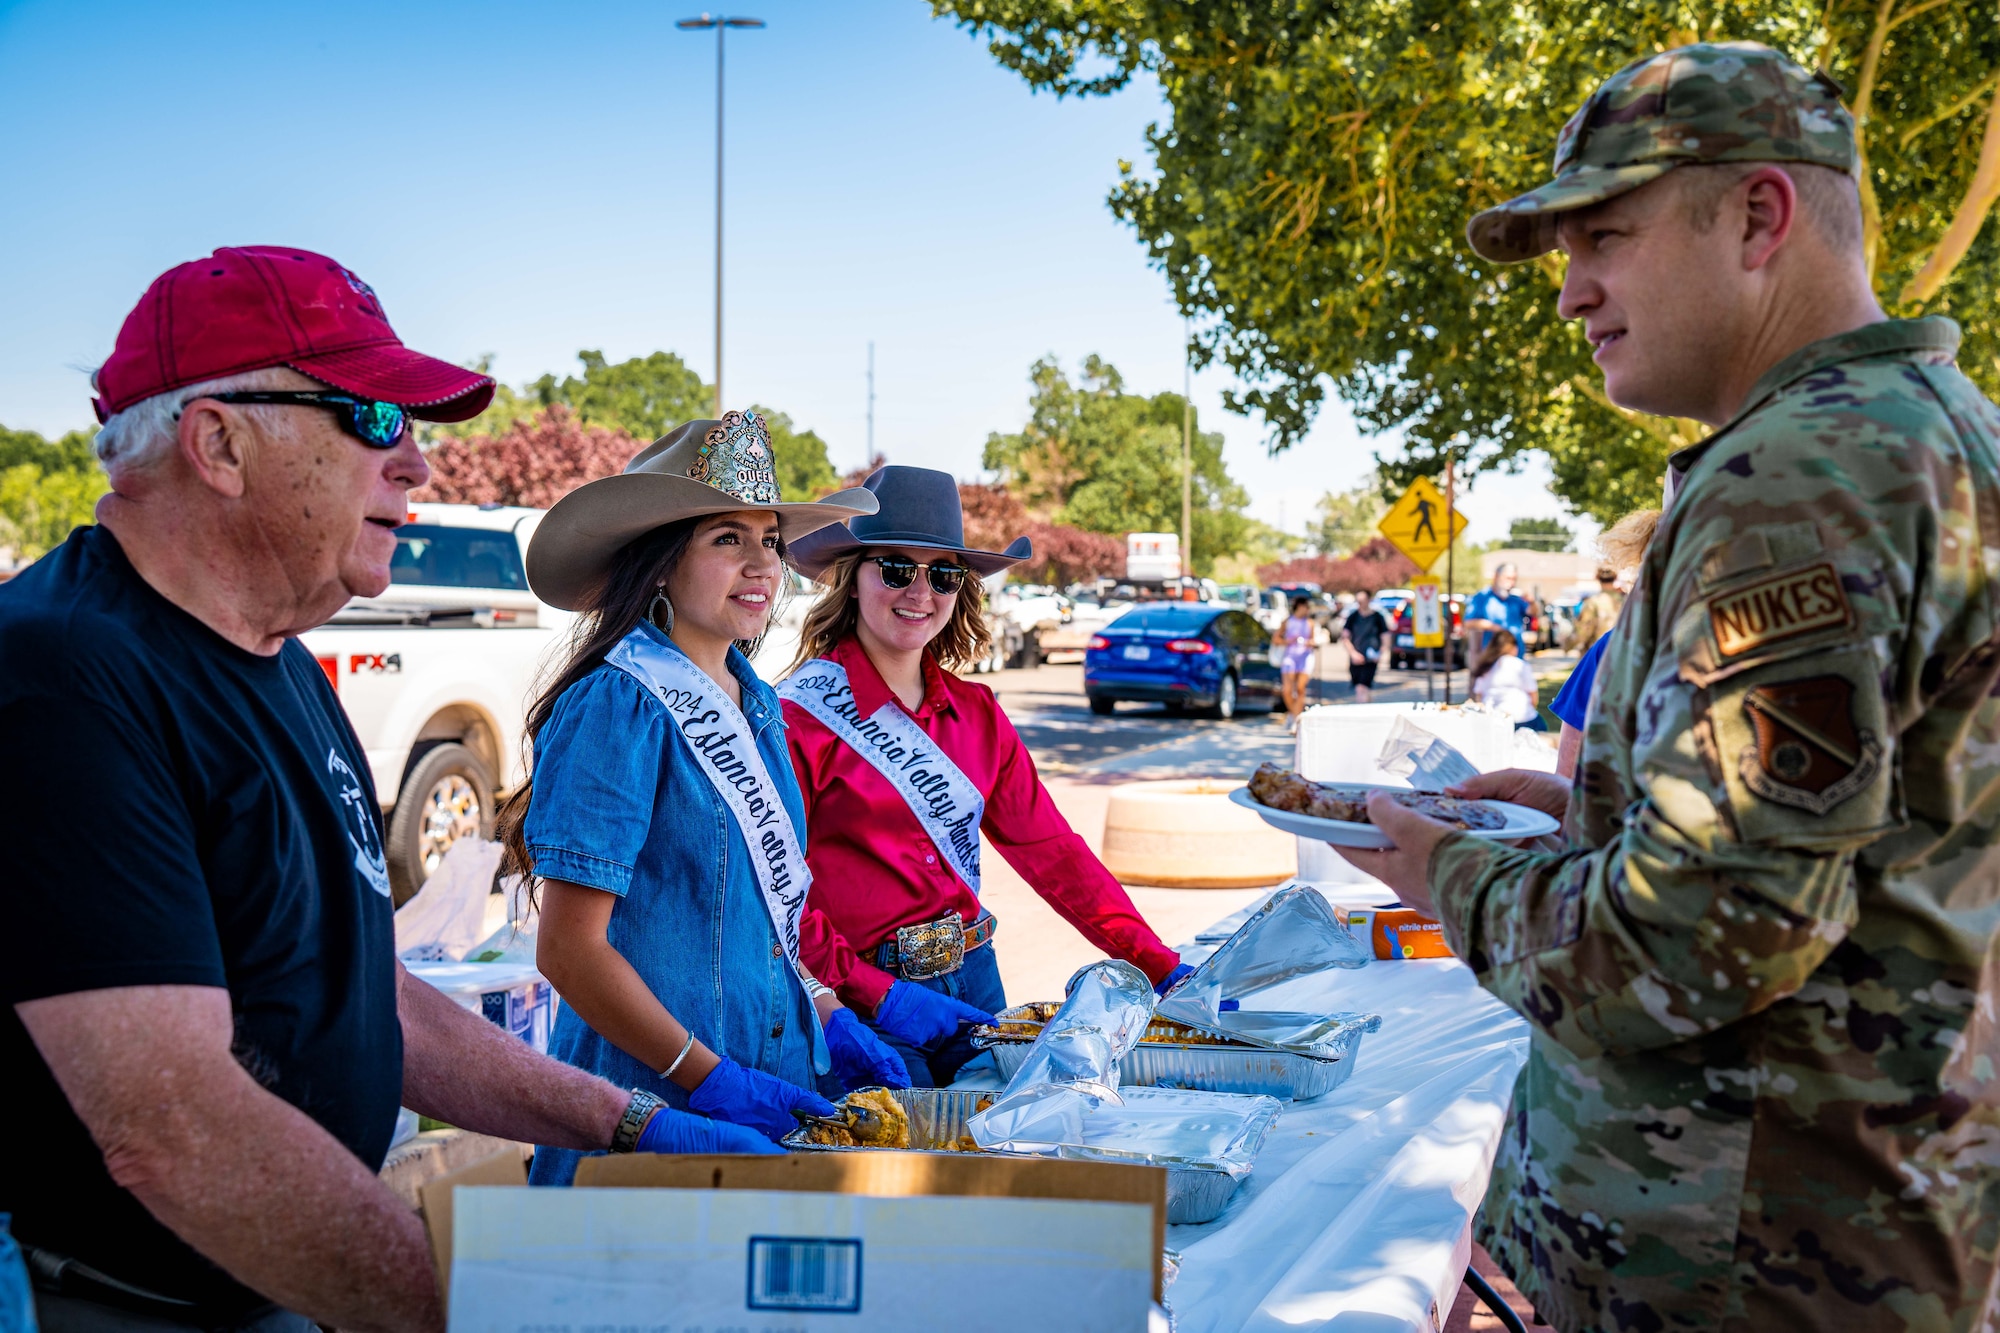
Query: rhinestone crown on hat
x=736, y=457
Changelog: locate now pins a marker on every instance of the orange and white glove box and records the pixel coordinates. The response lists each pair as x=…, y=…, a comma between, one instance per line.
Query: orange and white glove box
x=1397, y=932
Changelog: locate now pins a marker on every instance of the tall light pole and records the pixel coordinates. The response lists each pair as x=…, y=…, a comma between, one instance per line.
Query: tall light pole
x=868, y=463
x=721, y=24
x=1187, y=452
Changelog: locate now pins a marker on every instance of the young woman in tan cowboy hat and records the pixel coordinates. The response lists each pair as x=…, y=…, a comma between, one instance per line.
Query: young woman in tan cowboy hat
x=903, y=765
x=663, y=822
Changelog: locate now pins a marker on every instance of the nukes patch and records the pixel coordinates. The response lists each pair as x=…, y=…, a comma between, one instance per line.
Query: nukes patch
x=1777, y=608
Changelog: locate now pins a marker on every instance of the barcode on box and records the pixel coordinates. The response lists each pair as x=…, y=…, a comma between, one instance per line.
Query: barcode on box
x=805, y=1273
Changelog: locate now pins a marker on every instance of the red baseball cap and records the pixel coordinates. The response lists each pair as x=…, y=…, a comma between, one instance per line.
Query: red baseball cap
x=253, y=306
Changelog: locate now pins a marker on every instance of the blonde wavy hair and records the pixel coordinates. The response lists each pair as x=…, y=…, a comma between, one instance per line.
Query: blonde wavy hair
x=964, y=639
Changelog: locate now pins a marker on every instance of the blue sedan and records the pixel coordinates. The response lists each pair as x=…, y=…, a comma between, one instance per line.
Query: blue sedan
x=1184, y=655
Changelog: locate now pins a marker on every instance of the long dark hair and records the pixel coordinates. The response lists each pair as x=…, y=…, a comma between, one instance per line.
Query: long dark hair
x=1495, y=649
x=611, y=612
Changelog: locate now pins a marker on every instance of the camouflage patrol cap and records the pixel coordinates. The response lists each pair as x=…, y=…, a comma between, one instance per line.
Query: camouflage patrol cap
x=1711, y=102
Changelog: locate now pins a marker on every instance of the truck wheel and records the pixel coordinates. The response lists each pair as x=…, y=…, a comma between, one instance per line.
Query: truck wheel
x=1103, y=707
x=446, y=796
x=1030, y=654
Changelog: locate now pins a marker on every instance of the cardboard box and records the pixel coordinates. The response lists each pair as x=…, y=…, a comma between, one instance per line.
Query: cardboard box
x=801, y=1243
x=1397, y=932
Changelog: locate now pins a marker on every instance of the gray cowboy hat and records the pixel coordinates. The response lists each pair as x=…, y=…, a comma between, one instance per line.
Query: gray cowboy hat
x=698, y=468
x=918, y=507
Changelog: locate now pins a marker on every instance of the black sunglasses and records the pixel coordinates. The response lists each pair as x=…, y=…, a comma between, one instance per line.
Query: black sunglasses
x=377, y=425
x=900, y=571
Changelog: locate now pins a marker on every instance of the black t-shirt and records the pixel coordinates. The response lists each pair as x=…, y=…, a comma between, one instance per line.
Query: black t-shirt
x=1366, y=630
x=179, y=812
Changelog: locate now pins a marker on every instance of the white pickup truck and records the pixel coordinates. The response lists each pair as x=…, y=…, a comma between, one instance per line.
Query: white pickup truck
x=435, y=674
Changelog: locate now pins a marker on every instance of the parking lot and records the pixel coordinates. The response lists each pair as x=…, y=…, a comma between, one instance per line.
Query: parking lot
x=1047, y=706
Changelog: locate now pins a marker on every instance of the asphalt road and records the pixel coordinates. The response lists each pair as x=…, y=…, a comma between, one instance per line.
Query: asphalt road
x=1145, y=740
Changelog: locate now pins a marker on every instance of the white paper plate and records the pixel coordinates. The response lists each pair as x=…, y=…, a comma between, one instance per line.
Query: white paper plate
x=1521, y=821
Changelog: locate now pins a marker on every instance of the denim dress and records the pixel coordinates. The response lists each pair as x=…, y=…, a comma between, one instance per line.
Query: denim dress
x=619, y=805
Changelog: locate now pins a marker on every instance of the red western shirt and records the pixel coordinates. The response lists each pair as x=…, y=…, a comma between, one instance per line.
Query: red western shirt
x=874, y=868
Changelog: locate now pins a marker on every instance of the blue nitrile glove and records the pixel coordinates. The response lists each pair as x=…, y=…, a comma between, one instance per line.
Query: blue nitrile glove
x=753, y=1098
x=1172, y=979
x=677, y=1131
x=923, y=1017
x=860, y=1059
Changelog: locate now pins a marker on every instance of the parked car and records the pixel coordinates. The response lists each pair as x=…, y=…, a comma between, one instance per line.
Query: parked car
x=435, y=673
x=1405, y=655
x=1184, y=655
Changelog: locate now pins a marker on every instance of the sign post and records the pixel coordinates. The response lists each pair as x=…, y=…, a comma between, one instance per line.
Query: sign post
x=1426, y=624
x=1423, y=524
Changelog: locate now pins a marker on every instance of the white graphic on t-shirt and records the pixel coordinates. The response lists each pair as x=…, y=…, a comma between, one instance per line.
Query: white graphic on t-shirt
x=360, y=825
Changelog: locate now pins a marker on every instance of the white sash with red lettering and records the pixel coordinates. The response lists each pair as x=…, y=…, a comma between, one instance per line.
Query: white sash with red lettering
x=937, y=791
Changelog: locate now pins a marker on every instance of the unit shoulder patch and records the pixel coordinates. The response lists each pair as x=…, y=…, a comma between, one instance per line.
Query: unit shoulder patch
x=1809, y=751
x=1784, y=606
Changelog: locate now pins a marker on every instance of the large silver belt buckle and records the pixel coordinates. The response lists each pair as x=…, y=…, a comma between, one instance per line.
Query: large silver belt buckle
x=934, y=949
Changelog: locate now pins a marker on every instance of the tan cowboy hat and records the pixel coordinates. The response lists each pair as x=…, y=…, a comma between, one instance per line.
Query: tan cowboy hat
x=698, y=468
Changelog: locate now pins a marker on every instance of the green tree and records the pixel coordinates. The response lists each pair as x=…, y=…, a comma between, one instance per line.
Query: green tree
x=1541, y=534
x=1345, y=521
x=1308, y=198
x=47, y=487
x=645, y=397
x=1095, y=457
x=804, y=471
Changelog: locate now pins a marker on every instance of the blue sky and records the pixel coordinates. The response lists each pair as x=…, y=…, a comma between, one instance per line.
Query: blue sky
x=528, y=180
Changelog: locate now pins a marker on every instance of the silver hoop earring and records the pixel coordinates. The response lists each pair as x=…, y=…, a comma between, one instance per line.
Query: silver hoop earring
x=653, y=609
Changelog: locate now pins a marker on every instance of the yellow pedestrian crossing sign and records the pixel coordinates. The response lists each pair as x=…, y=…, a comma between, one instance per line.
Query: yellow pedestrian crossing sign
x=1415, y=524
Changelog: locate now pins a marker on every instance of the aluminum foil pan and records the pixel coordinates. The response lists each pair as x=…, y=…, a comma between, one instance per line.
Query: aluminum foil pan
x=1295, y=934
x=1168, y=1059
x=1208, y=1141
x=937, y=1121
x=1197, y=1190
x=1072, y=1068
x=1245, y=1070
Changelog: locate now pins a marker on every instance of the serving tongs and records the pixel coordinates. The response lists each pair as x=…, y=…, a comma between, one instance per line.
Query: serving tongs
x=863, y=1122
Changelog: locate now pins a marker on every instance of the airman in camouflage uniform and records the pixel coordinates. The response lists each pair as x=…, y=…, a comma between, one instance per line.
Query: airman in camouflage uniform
x=1764, y=1085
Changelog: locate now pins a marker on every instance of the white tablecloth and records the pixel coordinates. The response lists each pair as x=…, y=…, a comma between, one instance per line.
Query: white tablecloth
x=1357, y=1215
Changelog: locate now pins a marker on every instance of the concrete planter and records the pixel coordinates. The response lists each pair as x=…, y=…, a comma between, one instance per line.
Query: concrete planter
x=1186, y=835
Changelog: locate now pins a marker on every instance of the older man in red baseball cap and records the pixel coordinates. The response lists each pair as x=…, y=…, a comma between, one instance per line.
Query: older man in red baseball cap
x=204, y=1031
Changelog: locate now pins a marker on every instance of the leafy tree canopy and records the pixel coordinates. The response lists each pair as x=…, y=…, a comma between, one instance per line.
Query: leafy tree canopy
x=1541, y=534
x=47, y=487
x=1308, y=199
x=1095, y=457
x=643, y=398
x=1345, y=521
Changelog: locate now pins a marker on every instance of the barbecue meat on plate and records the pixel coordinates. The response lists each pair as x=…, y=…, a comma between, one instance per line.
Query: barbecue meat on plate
x=1282, y=789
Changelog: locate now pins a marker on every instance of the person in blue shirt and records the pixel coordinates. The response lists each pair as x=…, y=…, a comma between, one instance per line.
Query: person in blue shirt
x=1493, y=609
x=663, y=822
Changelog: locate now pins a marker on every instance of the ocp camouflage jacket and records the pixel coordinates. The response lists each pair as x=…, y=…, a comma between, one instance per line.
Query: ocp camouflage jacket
x=1762, y=1092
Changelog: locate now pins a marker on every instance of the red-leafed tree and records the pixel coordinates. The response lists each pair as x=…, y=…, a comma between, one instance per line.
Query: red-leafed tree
x=1377, y=565
x=535, y=461
x=994, y=517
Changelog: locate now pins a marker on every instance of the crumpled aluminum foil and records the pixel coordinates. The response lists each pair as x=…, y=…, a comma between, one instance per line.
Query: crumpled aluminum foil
x=1073, y=1064
x=1295, y=934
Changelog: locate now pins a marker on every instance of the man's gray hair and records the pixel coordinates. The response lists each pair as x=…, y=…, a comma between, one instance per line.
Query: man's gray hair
x=146, y=432
x=1506, y=567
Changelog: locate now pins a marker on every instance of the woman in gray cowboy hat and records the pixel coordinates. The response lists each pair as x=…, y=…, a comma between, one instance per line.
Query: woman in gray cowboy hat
x=662, y=822
x=903, y=765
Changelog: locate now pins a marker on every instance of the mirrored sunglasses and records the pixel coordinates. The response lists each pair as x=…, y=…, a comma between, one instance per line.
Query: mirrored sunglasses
x=376, y=424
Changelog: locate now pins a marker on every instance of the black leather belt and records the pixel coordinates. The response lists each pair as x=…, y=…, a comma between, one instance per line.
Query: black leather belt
x=935, y=948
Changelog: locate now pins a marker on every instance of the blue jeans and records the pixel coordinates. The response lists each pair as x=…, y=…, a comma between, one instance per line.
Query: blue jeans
x=977, y=982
